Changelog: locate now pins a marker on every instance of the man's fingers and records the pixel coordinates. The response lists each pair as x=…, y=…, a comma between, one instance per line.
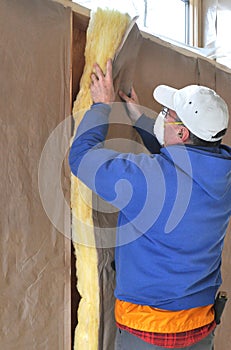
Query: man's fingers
x=109, y=69
x=129, y=99
x=133, y=94
x=93, y=78
x=98, y=71
x=102, y=89
x=124, y=96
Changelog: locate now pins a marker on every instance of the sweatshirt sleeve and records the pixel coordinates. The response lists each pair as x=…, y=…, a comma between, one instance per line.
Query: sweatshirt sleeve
x=118, y=178
x=90, y=133
x=144, y=127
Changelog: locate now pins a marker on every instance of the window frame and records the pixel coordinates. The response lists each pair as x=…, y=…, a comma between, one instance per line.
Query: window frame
x=195, y=23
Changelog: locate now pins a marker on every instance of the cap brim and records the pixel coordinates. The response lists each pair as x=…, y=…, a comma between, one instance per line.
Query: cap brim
x=165, y=95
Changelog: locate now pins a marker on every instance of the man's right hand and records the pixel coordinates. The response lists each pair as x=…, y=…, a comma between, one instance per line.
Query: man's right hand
x=102, y=88
x=132, y=104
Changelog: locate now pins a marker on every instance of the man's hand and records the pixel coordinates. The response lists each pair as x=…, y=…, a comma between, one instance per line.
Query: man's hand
x=132, y=103
x=102, y=89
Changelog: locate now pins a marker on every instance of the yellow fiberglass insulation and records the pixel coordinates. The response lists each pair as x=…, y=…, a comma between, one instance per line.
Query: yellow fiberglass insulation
x=104, y=34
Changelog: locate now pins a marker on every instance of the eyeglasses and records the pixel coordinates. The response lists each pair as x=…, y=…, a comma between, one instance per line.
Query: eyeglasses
x=165, y=113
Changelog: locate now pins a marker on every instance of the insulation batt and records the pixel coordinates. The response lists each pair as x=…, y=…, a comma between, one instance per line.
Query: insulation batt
x=104, y=34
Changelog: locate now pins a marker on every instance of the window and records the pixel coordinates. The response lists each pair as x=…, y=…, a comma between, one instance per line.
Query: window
x=166, y=18
x=206, y=26
x=223, y=43
x=217, y=29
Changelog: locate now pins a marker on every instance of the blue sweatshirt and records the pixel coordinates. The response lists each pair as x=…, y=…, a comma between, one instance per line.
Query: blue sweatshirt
x=174, y=208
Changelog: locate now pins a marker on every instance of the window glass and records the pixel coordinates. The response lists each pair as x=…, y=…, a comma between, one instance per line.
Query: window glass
x=162, y=18
x=223, y=43
x=169, y=19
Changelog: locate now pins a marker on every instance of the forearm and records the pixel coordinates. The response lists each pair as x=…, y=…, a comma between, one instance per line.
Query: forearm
x=116, y=177
x=144, y=126
x=91, y=132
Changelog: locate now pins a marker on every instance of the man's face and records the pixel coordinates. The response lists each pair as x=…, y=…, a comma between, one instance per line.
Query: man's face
x=172, y=127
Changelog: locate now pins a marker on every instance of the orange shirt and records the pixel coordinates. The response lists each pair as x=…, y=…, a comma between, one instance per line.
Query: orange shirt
x=149, y=319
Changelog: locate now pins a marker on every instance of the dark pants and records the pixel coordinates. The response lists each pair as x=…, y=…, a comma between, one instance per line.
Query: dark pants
x=127, y=341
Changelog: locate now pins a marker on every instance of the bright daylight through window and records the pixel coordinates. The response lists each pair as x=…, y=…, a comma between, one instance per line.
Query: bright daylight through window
x=223, y=42
x=170, y=19
x=153, y=17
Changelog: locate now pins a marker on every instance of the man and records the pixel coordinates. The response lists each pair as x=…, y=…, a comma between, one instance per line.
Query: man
x=175, y=205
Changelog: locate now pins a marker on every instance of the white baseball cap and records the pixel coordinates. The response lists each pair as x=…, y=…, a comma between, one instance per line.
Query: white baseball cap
x=201, y=109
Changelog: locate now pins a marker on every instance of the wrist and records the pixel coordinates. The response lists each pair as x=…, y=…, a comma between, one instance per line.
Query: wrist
x=103, y=105
x=135, y=117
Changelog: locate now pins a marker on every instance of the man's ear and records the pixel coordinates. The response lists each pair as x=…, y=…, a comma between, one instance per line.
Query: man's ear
x=184, y=134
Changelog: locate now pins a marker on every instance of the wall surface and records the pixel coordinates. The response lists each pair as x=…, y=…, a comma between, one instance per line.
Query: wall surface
x=35, y=70
x=35, y=94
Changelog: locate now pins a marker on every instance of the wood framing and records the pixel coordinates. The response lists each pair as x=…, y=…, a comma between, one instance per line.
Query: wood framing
x=195, y=12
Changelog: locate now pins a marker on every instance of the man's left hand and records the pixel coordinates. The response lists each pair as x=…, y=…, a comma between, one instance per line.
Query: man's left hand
x=102, y=89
